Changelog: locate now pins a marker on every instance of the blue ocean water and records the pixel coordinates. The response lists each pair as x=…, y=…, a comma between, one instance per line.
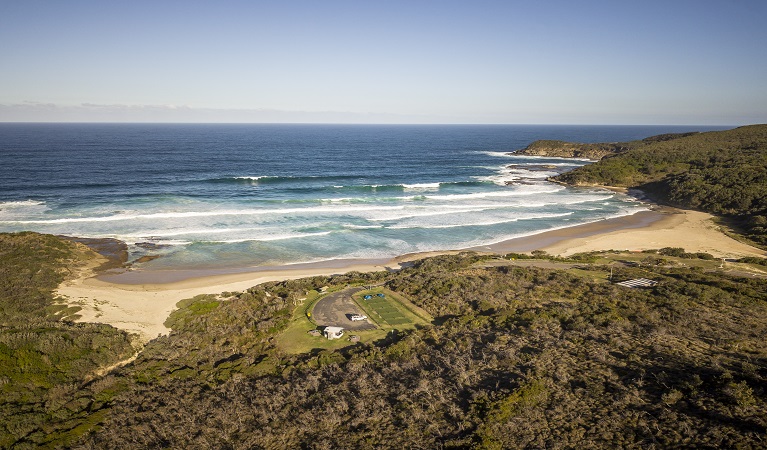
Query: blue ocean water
x=250, y=195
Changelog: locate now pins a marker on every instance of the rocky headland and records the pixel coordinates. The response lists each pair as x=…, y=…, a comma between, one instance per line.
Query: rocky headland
x=562, y=149
x=597, y=151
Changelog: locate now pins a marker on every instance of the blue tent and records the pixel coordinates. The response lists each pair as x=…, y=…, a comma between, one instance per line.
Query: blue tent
x=368, y=297
x=381, y=295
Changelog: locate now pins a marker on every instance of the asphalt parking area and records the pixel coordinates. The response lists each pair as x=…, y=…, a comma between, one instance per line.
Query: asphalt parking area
x=335, y=309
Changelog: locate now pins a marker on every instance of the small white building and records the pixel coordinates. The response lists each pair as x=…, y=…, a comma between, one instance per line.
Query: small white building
x=333, y=332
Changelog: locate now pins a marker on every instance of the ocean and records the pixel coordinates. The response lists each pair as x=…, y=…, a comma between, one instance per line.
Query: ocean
x=243, y=195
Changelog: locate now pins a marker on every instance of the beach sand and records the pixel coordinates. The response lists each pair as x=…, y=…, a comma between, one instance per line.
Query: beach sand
x=143, y=308
x=140, y=301
x=663, y=227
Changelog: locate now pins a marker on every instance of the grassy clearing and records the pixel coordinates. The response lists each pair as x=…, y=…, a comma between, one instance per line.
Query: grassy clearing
x=392, y=310
x=296, y=338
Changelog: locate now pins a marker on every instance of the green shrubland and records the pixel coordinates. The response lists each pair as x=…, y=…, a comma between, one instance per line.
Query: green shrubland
x=514, y=357
x=47, y=362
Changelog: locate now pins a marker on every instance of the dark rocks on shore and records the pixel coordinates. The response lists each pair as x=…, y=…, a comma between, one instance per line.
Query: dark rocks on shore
x=532, y=166
x=114, y=250
x=151, y=245
x=146, y=258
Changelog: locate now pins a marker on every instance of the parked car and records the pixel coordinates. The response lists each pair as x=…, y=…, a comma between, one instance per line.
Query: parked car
x=357, y=317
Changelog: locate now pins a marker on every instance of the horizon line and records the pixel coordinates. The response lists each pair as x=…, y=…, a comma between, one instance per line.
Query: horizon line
x=374, y=123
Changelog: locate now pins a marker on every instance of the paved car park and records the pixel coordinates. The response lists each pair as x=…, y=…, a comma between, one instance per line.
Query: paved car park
x=337, y=308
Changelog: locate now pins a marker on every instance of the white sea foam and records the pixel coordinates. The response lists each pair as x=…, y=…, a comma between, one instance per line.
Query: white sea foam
x=497, y=154
x=20, y=204
x=506, y=176
x=268, y=238
x=253, y=178
x=478, y=221
x=154, y=234
x=21, y=210
x=363, y=227
x=444, y=211
x=212, y=213
x=515, y=192
x=421, y=186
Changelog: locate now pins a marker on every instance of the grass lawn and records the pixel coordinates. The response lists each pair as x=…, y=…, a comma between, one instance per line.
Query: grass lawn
x=392, y=310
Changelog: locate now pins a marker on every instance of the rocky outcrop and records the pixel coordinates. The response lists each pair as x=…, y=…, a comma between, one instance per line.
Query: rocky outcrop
x=562, y=149
x=114, y=250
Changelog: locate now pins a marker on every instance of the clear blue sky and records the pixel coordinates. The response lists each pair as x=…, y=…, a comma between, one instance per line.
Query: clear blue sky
x=571, y=62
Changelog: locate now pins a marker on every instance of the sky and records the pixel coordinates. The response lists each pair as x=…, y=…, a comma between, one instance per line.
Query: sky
x=672, y=62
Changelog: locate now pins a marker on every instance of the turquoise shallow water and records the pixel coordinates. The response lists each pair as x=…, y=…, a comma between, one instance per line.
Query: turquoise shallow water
x=251, y=195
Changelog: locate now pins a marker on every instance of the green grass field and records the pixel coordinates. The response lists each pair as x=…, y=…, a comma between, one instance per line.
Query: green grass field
x=392, y=310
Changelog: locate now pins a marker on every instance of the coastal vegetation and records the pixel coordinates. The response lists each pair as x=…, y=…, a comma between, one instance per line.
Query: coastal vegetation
x=49, y=392
x=514, y=357
x=721, y=172
x=471, y=351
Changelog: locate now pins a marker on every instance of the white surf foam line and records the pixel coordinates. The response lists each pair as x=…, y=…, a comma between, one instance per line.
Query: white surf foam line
x=427, y=214
x=515, y=191
x=193, y=214
x=542, y=189
x=254, y=178
x=20, y=204
x=496, y=154
x=507, y=176
x=151, y=235
x=444, y=210
x=629, y=212
x=526, y=173
x=466, y=222
x=282, y=237
x=17, y=210
x=421, y=186
x=362, y=227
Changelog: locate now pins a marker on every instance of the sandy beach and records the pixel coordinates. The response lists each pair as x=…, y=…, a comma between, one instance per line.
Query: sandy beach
x=140, y=301
x=663, y=227
x=143, y=308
